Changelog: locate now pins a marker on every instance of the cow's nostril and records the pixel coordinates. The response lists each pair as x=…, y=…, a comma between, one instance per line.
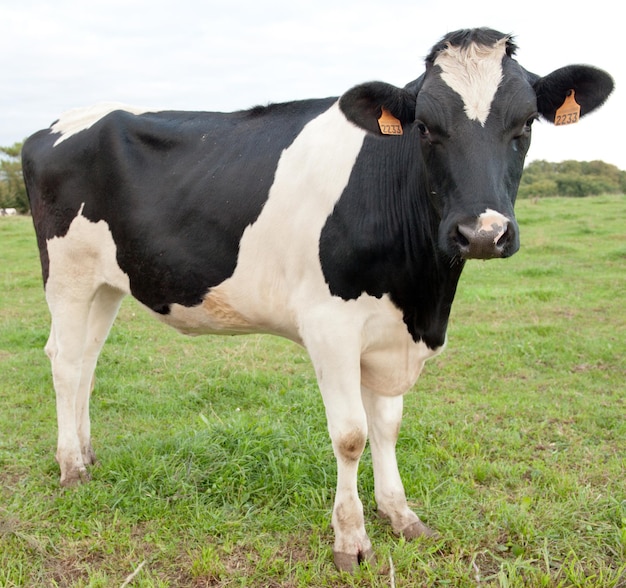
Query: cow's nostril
x=480, y=241
x=462, y=236
x=504, y=238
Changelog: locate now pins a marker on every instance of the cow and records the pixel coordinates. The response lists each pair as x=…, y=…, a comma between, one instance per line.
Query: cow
x=342, y=224
x=8, y=211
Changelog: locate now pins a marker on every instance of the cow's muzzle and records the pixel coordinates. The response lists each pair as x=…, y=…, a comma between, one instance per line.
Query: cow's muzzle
x=490, y=235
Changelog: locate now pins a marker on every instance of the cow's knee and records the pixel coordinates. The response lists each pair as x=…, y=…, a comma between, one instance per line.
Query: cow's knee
x=350, y=442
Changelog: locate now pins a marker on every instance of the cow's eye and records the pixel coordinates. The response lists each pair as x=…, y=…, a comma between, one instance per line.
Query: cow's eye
x=423, y=129
x=524, y=131
x=528, y=126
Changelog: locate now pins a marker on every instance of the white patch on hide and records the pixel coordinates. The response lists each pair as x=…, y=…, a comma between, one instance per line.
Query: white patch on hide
x=80, y=119
x=84, y=259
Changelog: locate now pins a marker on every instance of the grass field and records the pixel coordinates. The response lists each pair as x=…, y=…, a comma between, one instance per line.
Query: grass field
x=216, y=469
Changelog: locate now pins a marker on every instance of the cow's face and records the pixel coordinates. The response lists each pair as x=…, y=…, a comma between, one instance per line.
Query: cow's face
x=471, y=114
x=474, y=112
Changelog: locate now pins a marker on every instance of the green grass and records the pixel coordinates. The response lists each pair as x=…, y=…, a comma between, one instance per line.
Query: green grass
x=215, y=466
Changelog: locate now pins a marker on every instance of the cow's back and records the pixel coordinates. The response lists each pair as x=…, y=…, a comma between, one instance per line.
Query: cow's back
x=176, y=189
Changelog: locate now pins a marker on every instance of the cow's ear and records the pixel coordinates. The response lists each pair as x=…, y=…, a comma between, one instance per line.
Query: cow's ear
x=363, y=105
x=591, y=88
x=415, y=86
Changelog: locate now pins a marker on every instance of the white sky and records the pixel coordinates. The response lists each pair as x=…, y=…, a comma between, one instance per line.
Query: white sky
x=233, y=54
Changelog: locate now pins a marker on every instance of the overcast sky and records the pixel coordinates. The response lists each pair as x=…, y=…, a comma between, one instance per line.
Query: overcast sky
x=232, y=54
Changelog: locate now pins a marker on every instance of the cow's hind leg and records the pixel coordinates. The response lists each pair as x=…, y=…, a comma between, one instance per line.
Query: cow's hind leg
x=102, y=313
x=79, y=329
x=384, y=415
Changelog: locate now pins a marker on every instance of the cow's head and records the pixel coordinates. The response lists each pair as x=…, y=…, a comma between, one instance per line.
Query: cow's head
x=472, y=112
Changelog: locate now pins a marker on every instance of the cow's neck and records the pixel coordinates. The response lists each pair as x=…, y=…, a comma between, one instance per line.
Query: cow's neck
x=381, y=239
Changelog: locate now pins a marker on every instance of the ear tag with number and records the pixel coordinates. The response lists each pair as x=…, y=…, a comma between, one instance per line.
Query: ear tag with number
x=389, y=124
x=569, y=111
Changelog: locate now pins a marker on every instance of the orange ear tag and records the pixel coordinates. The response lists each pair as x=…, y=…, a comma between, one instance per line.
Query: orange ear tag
x=569, y=111
x=389, y=124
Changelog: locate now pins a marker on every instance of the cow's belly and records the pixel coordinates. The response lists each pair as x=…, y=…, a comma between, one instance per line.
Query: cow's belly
x=215, y=315
x=391, y=361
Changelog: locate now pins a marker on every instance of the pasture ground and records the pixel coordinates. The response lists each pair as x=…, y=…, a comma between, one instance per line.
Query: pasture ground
x=216, y=469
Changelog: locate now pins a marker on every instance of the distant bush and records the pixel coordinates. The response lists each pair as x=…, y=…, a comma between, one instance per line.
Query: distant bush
x=571, y=178
x=12, y=190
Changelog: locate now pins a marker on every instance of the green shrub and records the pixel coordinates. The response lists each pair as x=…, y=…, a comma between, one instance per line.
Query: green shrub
x=12, y=189
x=571, y=178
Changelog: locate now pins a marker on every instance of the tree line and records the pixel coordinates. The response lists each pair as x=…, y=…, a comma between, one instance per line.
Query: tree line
x=540, y=179
x=571, y=178
x=12, y=190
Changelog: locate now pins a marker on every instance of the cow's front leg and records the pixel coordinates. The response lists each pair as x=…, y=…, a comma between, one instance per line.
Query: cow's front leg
x=337, y=365
x=384, y=416
x=348, y=430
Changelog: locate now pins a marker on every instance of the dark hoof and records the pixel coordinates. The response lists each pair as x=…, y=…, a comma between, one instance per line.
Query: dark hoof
x=75, y=478
x=348, y=562
x=418, y=529
x=89, y=457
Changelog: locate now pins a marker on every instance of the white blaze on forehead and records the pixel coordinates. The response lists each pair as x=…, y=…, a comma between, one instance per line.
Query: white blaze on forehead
x=80, y=119
x=474, y=73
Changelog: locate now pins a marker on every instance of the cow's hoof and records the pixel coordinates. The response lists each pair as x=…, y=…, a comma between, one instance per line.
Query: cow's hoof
x=89, y=456
x=418, y=529
x=75, y=478
x=349, y=562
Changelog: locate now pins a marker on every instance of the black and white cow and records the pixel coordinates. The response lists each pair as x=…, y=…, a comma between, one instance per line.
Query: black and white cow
x=306, y=220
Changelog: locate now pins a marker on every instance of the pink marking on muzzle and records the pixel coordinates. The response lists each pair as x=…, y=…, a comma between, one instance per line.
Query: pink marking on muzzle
x=494, y=223
x=486, y=238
